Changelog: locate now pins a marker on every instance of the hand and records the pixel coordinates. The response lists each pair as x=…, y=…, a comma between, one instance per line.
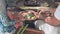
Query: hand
x=42, y=13
x=42, y=10
x=52, y=21
x=30, y=12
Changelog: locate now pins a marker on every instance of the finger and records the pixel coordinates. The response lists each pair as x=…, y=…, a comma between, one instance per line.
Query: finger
x=43, y=9
x=48, y=19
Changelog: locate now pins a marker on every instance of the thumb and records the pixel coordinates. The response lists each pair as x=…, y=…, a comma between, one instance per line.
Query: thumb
x=48, y=19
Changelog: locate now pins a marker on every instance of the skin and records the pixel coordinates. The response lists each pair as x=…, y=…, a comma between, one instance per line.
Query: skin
x=20, y=17
x=30, y=12
x=52, y=20
x=9, y=14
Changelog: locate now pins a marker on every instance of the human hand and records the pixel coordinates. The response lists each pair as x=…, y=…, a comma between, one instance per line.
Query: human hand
x=42, y=10
x=52, y=21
